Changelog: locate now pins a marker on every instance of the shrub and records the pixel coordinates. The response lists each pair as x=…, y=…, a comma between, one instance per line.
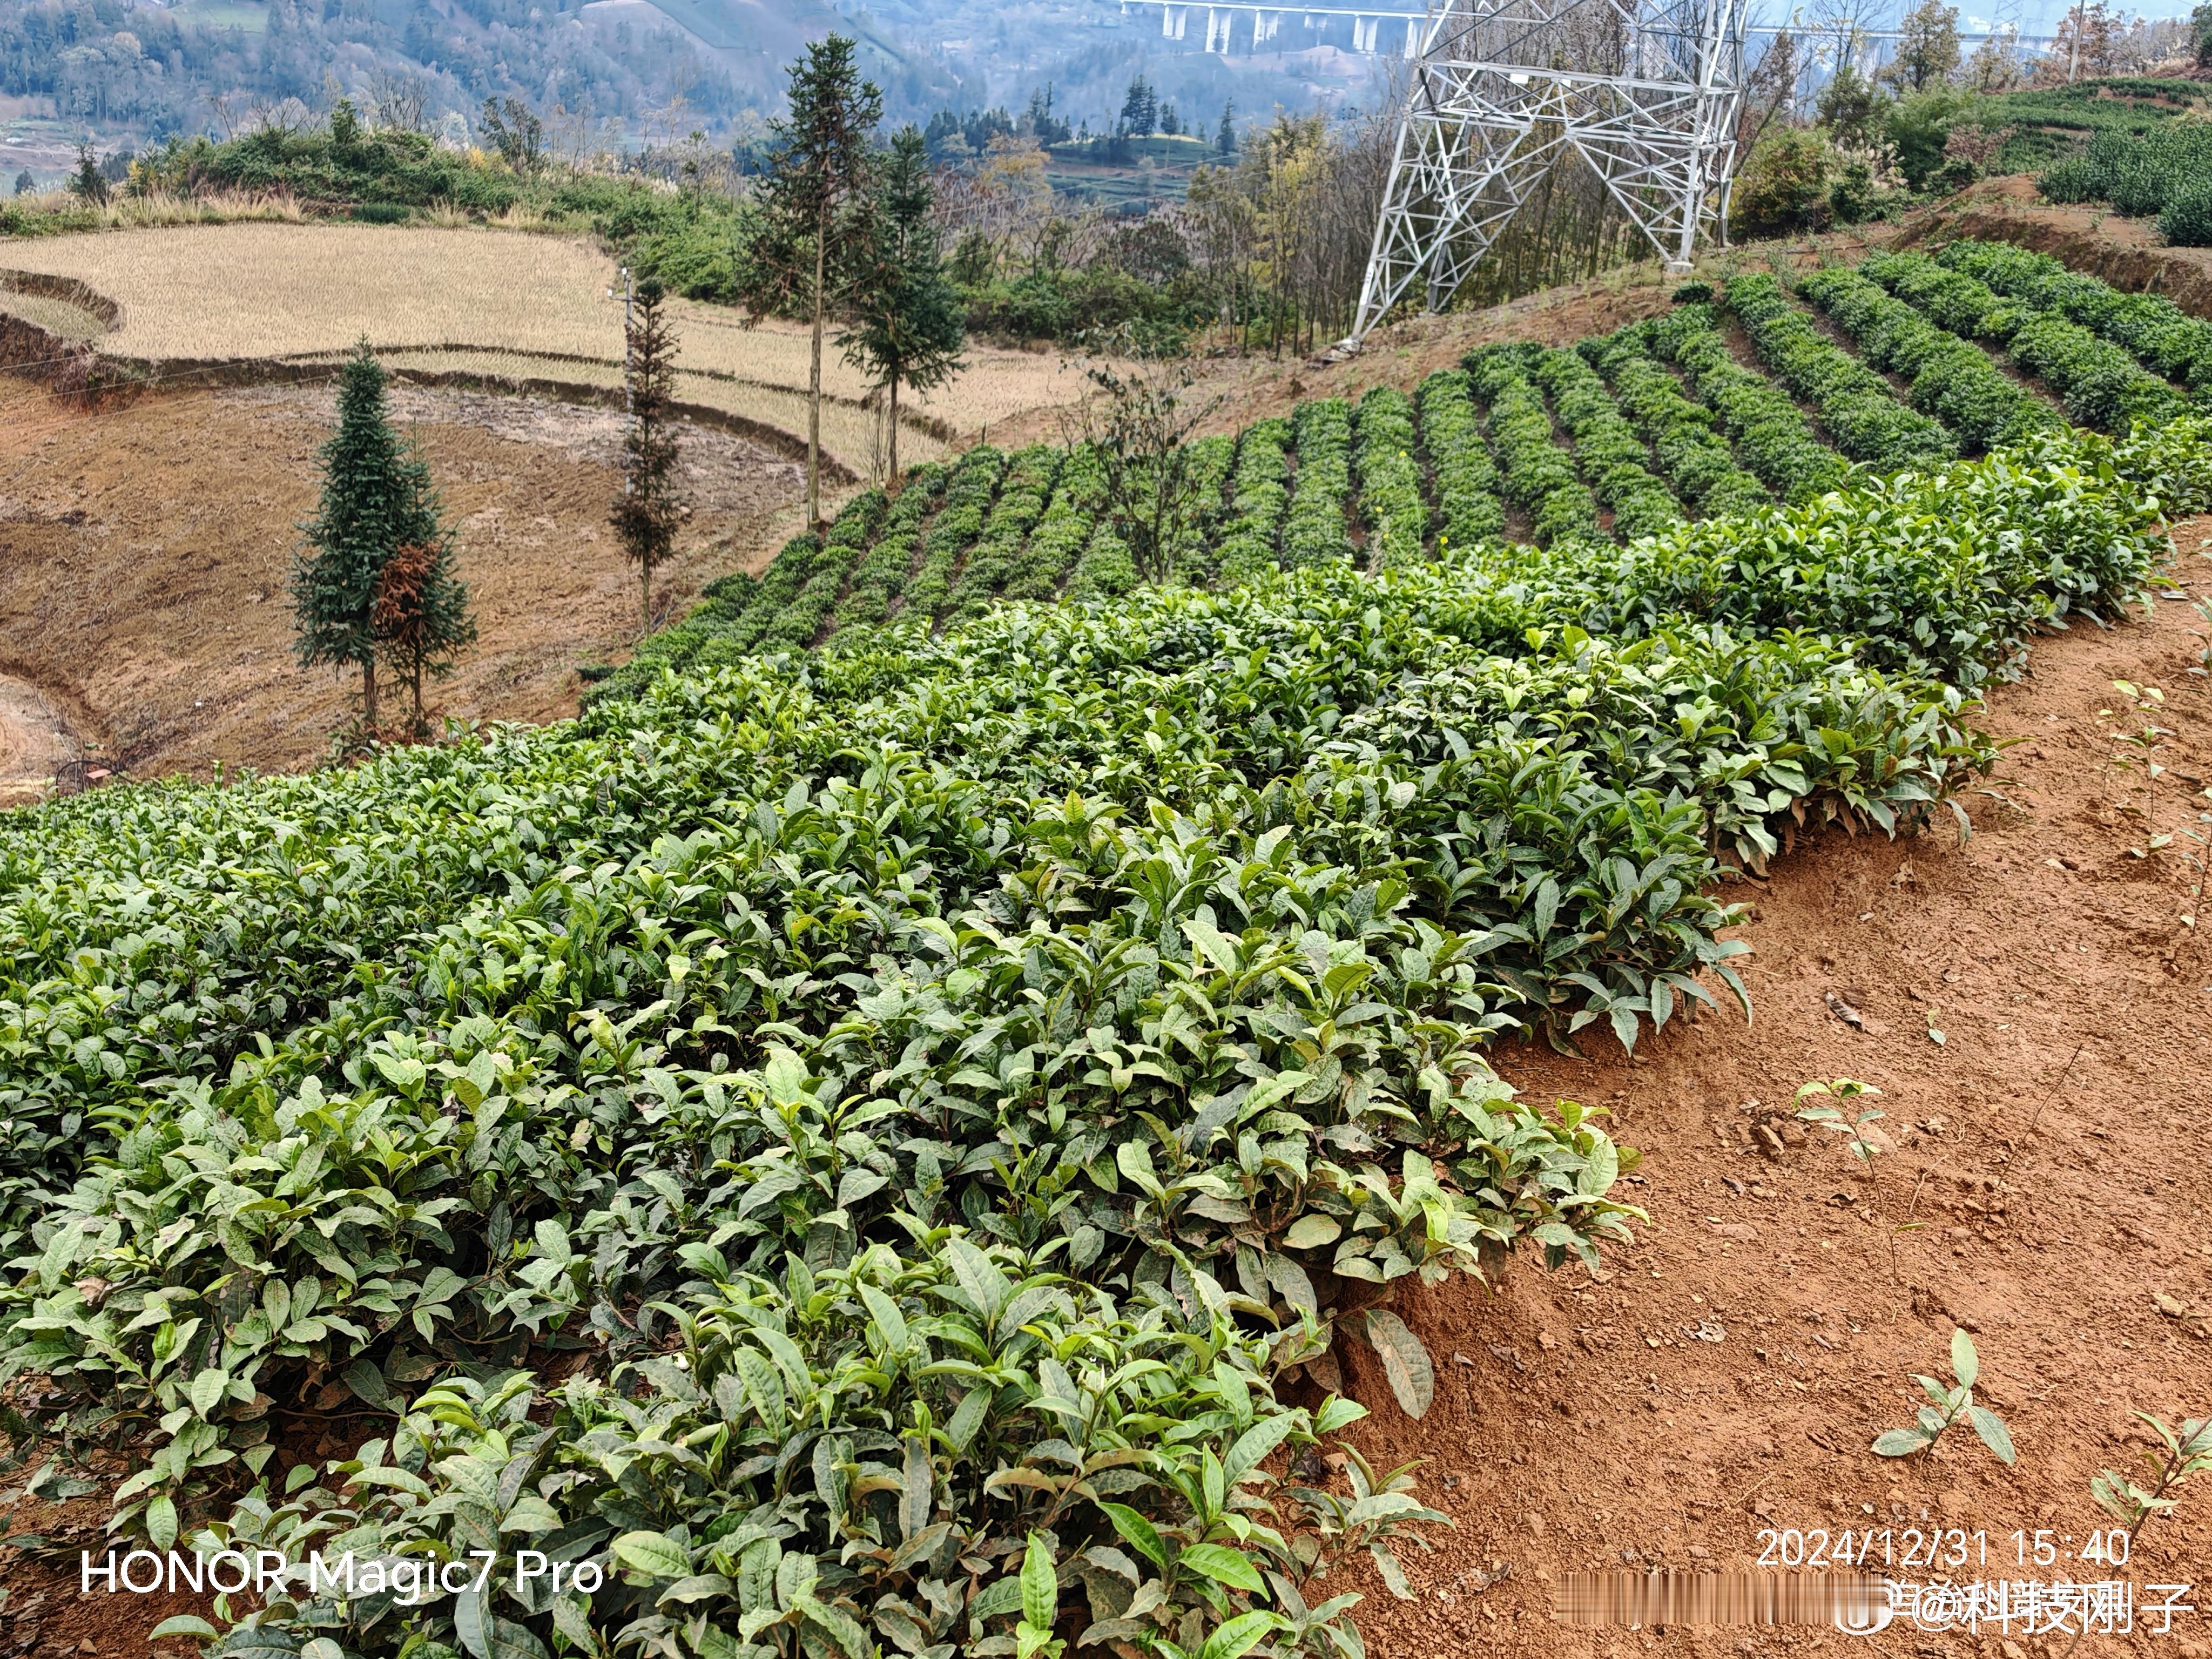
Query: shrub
x=967, y=497
x=1694, y=457
x=1314, y=530
x=1608, y=453
x=1536, y=474
x=1466, y=479
x=1772, y=437
x=813, y=1045
x=1390, y=504
x=1061, y=535
x=2160, y=335
x=1196, y=550
x=1784, y=183
x=1259, y=494
x=2185, y=220
x=1952, y=379
x=1023, y=494
x=880, y=577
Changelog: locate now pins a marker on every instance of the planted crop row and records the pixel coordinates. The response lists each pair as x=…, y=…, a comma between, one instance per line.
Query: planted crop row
x=1608, y=452
x=1024, y=494
x=1856, y=404
x=2166, y=171
x=784, y=608
x=1106, y=568
x=1538, y=477
x=1952, y=380
x=881, y=575
x=1772, y=436
x=1208, y=462
x=1063, y=532
x=1466, y=479
x=1390, y=504
x=2100, y=385
x=1260, y=493
x=2159, y=333
x=1695, y=458
x=969, y=494
x=1313, y=532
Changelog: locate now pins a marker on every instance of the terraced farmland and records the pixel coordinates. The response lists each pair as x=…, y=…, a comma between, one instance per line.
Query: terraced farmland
x=1909, y=361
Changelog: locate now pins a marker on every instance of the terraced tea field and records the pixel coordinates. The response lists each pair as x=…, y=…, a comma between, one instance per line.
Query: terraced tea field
x=1745, y=393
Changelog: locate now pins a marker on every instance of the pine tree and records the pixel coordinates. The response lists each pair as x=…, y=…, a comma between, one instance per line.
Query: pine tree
x=422, y=618
x=814, y=211
x=377, y=498
x=646, y=513
x=1225, y=139
x=908, y=323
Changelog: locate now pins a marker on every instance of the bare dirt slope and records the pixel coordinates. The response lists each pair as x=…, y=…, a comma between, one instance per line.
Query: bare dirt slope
x=144, y=552
x=1727, y=1374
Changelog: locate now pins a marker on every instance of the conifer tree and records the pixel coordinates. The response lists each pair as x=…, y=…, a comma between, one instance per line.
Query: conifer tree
x=814, y=211
x=649, y=509
x=908, y=324
x=377, y=498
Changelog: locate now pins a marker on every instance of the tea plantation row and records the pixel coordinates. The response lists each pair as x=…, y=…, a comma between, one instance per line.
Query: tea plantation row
x=1622, y=436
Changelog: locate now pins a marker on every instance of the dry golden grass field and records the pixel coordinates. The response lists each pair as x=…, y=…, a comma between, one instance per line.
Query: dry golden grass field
x=481, y=301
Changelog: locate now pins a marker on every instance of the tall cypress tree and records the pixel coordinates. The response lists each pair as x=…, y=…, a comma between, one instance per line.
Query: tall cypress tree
x=377, y=498
x=908, y=323
x=814, y=211
x=649, y=509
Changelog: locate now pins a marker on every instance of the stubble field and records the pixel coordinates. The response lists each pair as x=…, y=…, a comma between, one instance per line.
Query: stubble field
x=484, y=302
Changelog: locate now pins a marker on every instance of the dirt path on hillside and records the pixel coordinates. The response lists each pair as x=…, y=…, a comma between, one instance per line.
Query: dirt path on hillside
x=1725, y=1377
x=144, y=553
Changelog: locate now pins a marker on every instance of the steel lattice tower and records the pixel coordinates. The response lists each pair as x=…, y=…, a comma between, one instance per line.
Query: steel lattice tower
x=1645, y=93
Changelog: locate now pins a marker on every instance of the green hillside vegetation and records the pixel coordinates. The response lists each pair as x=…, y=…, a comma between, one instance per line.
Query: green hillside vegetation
x=1628, y=435
x=937, y=1100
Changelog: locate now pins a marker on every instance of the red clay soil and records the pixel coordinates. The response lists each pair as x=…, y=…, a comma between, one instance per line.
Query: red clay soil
x=144, y=552
x=1727, y=1375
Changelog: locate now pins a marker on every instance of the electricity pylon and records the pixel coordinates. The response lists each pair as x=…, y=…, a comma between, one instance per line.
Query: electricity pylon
x=1503, y=90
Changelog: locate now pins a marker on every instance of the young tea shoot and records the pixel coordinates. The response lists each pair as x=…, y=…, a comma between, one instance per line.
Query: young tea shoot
x=1947, y=1407
x=2179, y=1455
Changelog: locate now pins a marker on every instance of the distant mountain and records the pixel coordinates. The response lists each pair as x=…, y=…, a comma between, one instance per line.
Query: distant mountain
x=130, y=74
x=198, y=65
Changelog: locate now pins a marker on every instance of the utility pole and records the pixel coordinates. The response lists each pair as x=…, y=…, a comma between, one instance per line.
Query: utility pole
x=2074, y=67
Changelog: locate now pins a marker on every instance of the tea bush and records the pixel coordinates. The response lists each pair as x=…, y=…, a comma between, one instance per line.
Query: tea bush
x=1952, y=380
x=1390, y=504
x=2159, y=333
x=1608, y=453
x=2099, y=383
x=1774, y=440
x=1694, y=457
x=1854, y=403
x=1314, y=532
x=1259, y=496
x=1466, y=478
x=944, y=1085
x=1538, y=477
